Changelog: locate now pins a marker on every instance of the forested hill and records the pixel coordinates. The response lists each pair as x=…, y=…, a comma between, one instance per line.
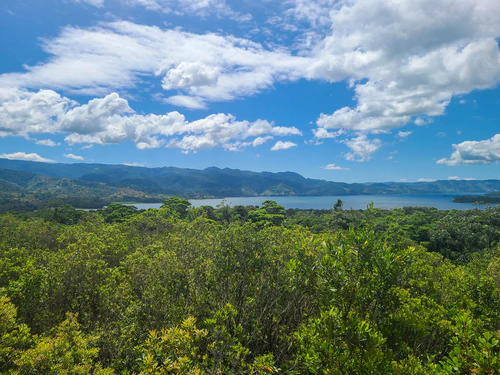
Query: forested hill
x=216, y=182
x=28, y=191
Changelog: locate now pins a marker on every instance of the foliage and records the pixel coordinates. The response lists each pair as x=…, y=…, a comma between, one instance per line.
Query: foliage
x=249, y=290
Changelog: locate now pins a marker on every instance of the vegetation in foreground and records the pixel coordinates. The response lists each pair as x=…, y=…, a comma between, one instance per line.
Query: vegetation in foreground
x=250, y=290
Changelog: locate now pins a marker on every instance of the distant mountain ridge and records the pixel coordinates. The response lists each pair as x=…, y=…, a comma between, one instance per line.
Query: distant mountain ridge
x=217, y=182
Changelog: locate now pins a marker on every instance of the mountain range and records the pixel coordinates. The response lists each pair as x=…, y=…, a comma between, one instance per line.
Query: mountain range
x=121, y=183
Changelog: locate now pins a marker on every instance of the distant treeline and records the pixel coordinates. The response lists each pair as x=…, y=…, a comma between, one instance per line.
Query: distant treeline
x=492, y=198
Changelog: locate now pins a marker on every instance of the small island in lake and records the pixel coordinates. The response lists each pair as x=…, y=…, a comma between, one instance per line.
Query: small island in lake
x=490, y=198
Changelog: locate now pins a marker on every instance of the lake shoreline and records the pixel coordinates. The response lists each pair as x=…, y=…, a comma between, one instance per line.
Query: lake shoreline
x=451, y=195
x=385, y=201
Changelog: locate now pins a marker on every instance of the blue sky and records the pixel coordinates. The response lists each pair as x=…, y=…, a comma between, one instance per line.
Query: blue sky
x=355, y=91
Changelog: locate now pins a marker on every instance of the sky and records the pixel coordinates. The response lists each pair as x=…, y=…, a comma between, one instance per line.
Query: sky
x=341, y=90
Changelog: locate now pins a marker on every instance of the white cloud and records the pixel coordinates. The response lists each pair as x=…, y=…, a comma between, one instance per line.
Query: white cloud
x=456, y=178
x=23, y=113
x=441, y=134
x=260, y=141
x=96, y=116
x=201, y=8
x=134, y=164
x=422, y=85
x=193, y=74
x=406, y=59
x=280, y=145
x=321, y=133
x=186, y=102
x=421, y=121
x=475, y=152
x=333, y=167
x=47, y=142
x=404, y=135
x=362, y=148
x=26, y=157
x=74, y=157
x=239, y=146
x=111, y=120
x=425, y=180
x=96, y=3
x=316, y=13
x=122, y=55
x=403, y=180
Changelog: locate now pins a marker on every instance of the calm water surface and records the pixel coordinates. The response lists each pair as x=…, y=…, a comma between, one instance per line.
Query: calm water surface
x=439, y=201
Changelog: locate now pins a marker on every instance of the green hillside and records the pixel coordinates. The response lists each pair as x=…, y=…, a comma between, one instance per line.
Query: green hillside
x=26, y=191
x=216, y=182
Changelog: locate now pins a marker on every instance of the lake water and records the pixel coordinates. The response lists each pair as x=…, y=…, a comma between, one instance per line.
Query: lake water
x=356, y=202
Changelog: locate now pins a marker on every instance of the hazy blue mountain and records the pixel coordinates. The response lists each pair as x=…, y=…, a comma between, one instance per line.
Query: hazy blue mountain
x=217, y=182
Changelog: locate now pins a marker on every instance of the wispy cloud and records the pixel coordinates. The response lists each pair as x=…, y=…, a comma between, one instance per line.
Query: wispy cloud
x=404, y=135
x=74, y=157
x=426, y=180
x=456, y=178
x=333, y=167
x=47, y=142
x=280, y=145
x=26, y=157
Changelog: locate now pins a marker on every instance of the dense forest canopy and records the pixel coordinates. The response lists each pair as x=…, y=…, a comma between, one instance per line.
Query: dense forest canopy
x=249, y=290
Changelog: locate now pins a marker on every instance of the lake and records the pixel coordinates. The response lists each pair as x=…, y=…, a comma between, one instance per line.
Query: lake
x=356, y=202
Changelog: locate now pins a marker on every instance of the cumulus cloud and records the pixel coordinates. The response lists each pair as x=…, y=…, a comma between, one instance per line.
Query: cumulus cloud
x=193, y=74
x=74, y=157
x=406, y=59
x=23, y=113
x=333, y=167
x=47, y=142
x=362, y=148
x=425, y=180
x=111, y=120
x=280, y=145
x=475, y=152
x=26, y=157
